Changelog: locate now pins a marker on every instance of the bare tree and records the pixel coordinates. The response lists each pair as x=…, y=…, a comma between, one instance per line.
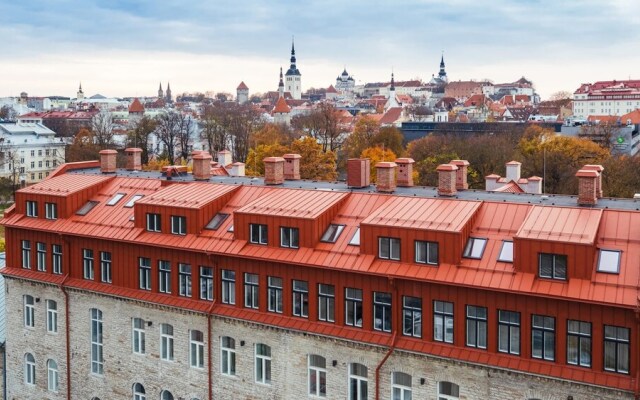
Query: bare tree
x=214, y=128
x=102, y=127
x=186, y=127
x=8, y=113
x=323, y=125
x=140, y=137
x=168, y=131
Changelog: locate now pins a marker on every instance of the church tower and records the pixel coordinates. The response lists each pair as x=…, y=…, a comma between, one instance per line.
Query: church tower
x=442, y=74
x=160, y=92
x=80, y=94
x=293, y=77
x=392, y=101
x=168, y=96
x=281, y=85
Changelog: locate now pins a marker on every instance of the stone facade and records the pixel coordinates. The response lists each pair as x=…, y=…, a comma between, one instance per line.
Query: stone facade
x=289, y=355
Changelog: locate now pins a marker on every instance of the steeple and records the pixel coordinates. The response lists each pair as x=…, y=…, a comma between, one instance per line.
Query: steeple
x=281, y=85
x=293, y=54
x=393, y=84
x=168, y=94
x=392, y=102
x=442, y=74
x=293, y=76
x=80, y=94
x=160, y=92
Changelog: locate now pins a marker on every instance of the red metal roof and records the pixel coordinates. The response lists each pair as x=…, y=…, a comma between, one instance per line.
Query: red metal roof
x=65, y=185
x=193, y=195
x=569, y=225
x=295, y=203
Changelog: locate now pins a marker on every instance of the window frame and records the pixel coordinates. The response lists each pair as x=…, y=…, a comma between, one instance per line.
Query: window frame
x=300, y=298
x=553, y=266
x=477, y=324
x=216, y=221
x=509, y=325
x=166, y=342
x=29, y=369
x=360, y=382
x=115, y=199
x=144, y=273
x=446, y=317
x=154, y=222
x=164, y=276
x=469, y=247
x=53, y=377
x=332, y=234
x=251, y=290
x=544, y=332
x=262, y=232
x=97, y=342
x=88, y=271
x=52, y=316
x=275, y=292
x=41, y=256
x=138, y=336
x=196, y=349
x=51, y=211
x=32, y=209
x=228, y=354
x=383, y=307
x=25, y=246
x=228, y=283
x=263, y=374
x=179, y=225
x=355, y=239
x=608, y=271
x=56, y=258
x=29, y=311
x=502, y=249
x=185, y=280
x=400, y=390
x=206, y=283
x=389, y=243
x=582, y=339
x=329, y=301
x=105, y=267
x=414, y=313
x=427, y=252
x=353, y=307
x=617, y=342
x=316, y=376
x=292, y=240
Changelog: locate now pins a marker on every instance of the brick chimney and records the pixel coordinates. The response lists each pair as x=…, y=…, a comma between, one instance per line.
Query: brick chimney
x=358, y=172
x=405, y=172
x=386, y=176
x=587, y=184
x=201, y=166
x=108, y=161
x=513, y=171
x=224, y=158
x=461, y=174
x=273, y=171
x=292, y=166
x=447, y=179
x=237, y=169
x=134, y=158
x=599, y=169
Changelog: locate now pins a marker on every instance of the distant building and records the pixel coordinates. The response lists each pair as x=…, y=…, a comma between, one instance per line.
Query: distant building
x=293, y=77
x=242, y=93
x=462, y=90
x=345, y=83
x=168, y=97
x=606, y=98
x=160, y=92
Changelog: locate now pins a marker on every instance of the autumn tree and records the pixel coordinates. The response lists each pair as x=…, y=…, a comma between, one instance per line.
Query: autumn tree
x=102, y=127
x=255, y=164
x=227, y=125
x=140, y=136
x=271, y=134
x=560, y=95
x=377, y=154
x=213, y=128
x=315, y=163
x=365, y=130
x=186, y=127
x=389, y=137
x=620, y=177
x=84, y=147
x=323, y=125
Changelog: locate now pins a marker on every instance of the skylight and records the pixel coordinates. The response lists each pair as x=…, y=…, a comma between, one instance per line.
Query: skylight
x=332, y=233
x=230, y=228
x=474, y=248
x=133, y=200
x=506, y=253
x=216, y=221
x=115, y=199
x=88, y=206
x=609, y=261
x=355, y=240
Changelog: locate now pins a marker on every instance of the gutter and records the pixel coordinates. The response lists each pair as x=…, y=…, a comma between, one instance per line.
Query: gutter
x=392, y=346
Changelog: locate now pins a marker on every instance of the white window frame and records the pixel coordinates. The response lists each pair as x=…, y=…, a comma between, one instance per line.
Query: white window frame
x=56, y=251
x=29, y=310
x=443, y=396
x=32, y=209
x=138, y=392
x=251, y=290
x=399, y=390
x=164, y=276
x=262, y=364
x=51, y=210
x=53, y=380
x=144, y=273
x=443, y=318
x=26, y=254
x=29, y=369
x=228, y=356
x=97, y=355
x=166, y=342
x=87, y=264
x=184, y=280
x=179, y=225
x=554, y=275
x=138, y=336
x=425, y=253
x=52, y=316
x=392, y=247
x=41, y=256
x=326, y=298
x=274, y=294
x=353, y=306
x=154, y=222
x=196, y=349
x=228, y=278
x=359, y=382
x=262, y=231
x=317, y=375
x=289, y=237
x=105, y=267
x=300, y=294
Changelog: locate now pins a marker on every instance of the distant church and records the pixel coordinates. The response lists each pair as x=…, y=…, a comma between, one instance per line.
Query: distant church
x=345, y=83
x=293, y=77
x=165, y=96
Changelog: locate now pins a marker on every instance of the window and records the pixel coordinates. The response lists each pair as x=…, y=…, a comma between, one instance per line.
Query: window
x=196, y=349
x=353, y=307
x=389, y=248
x=317, y=376
x=382, y=311
x=300, y=298
x=579, y=343
x=138, y=340
x=52, y=316
x=52, y=376
x=509, y=332
x=164, y=276
x=216, y=221
x=543, y=337
x=51, y=210
x=115, y=199
x=332, y=233
x=355, y=239
x=228, y=355
x=178, y=225
x=166, y=395
x=206, y=283
x=443, y=321
x=41, y=256
x=506, y=252
x=289, y=237
x=29, y=311
x=477, y=327
x=56, y=249
x=144, y=265
x=133, y=200
x=88, y=206
x=166, y=342
x=26, y=254
x=251, y=291
x=553, y=266
x=230, y=228
x=228, y=286
x=258, y=233
x=400, y=386
x=616, y=349
x=326, y=302
x=263, y=363
x=184, y=278
x=29, y=369
x=138, y=392
x=412, y=316
x=426, y=252
x=474, y=248
x=154, y=223
x=32, y=208
x=87, y=263
x=105, y=266
x=358, y=382
x=609, y=261
x=448, y=391
x=274, y=294
x=97, y=362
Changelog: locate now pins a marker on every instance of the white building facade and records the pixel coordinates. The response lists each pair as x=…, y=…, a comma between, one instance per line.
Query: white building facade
x=606, y=98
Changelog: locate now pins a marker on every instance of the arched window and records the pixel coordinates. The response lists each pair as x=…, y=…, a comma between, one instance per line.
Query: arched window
x=448, y=391
x=29, y=369
x=317, y=375
x=52, y=375
x=357, y=382
x=139, y=392
x=166, y=395
x=400, y=386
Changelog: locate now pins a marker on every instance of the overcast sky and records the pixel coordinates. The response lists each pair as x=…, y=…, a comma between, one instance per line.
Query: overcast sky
x=125, y=47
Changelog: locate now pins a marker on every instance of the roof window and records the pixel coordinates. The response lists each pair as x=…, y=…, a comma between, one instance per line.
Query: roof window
x=355, y=240
x=609, y=261
x=506, y=252
x=332, y=233
x=474, y=248
x=133, y=200
x=216, y=221
x=115, y=199
x=230, y=228
x=88, y=206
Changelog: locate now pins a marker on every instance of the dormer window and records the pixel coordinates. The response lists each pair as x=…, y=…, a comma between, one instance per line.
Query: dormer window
x=178, y=225
x=153, y=222
x=32, y=209
x=506, y=252
x=553, y=266
x=332, y=233
x=389, y=248
x=289, y=237
x=51, y=210
x=355, y=240
x=475, y=248
x=609, y=261
x=216, y=221
x=426, y=252
x=115, y=199
x=258, y=233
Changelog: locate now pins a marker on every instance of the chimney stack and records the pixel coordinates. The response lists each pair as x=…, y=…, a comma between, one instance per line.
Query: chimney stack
x=237, y=169
x=358, y=172
x=292, y=167
x=491, y=182
x=405, y=172
x=386, y=176
x=513, y=171
x=599, y=169
x=587, y=184
x=202, y=166
x=534, y=185
x=224, y=158
x=108, y=161
x=273, y=171
x=134, y=158
x=461, y=174
x=447, y=179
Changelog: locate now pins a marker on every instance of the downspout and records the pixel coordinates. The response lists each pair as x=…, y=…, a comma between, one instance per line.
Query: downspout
x=637, y=389
x=209, y=316
x=4, y=371
x=393, y=340
x=66, y=327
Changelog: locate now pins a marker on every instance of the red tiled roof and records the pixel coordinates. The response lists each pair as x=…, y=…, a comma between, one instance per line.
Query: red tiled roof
x=634, y=116
x=136, y=106
x=391, y=116
x=331, y=89
x=281, y=106
x=242, y=86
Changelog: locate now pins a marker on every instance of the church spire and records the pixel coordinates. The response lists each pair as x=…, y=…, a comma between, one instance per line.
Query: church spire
x=393, y=83
x=281, y=85
x=442, y=74
x=293, y=55
x=160, y=92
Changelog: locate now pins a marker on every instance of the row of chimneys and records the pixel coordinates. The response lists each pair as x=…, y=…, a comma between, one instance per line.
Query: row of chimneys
x=451, y=177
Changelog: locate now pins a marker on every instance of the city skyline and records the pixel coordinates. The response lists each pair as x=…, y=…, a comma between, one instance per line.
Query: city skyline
x=123, y=49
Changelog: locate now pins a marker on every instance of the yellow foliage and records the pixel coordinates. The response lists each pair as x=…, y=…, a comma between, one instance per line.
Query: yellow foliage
x=2, y=244
x=377, y=154
x=255, y=164
x=155, y=165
